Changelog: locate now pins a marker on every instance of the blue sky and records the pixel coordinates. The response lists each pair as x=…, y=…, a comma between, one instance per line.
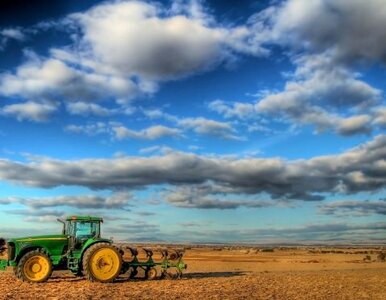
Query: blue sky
x=195, y=121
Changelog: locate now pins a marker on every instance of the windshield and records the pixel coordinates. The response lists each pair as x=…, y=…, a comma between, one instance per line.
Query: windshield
x=81, y=229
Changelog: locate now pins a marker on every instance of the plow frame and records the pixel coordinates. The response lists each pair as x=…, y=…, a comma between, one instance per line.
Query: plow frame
x=167, y=262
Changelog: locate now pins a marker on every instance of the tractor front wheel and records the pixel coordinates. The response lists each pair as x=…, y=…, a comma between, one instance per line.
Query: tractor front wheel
x=35, y=266
x=102, y=262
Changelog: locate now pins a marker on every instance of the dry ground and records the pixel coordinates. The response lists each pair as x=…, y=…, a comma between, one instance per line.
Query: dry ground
x=231, y=274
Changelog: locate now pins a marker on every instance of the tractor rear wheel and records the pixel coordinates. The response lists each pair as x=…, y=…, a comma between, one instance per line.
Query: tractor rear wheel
x=35, y=266
x=102, y=262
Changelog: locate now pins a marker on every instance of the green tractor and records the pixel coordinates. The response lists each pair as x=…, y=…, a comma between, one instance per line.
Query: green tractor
x=81, y=249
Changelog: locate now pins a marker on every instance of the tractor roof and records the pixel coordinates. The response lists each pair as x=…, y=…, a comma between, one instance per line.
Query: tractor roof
x=84, y=218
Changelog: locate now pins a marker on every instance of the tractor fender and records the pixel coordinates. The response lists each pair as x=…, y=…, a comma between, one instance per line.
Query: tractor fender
x=29, y=248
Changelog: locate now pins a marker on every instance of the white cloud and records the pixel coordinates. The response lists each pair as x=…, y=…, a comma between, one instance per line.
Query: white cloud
x=193, y=9
x=237, y=110
x=13, y=33
x=157, y=113
x=359, y=169
x=205, y=126
x=32, y=111
x=319, y=93
x=7, y=34
x=148, y=41
x=118, y=200
x=207, y=197
x=52, y=78
x=89, y=129
x=380, y=116
x=356, y=124
x=151, y=133
x=144, y=44
x=85, y=109
x=199, y=125
x=354, y=208
x=351, y=30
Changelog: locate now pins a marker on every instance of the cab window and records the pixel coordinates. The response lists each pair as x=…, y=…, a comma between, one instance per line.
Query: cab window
x=83, y=229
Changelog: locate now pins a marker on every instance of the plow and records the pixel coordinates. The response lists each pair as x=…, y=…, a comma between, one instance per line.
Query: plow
x=81, y=250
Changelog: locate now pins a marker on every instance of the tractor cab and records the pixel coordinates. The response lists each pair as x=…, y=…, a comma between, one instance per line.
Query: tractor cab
x=79, y=229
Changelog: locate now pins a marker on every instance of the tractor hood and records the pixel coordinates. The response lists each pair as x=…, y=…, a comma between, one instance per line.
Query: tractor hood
x=52, y=244
x=54, y=237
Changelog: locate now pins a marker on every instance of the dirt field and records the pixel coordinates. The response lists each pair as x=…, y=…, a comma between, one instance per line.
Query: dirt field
x=218, y=273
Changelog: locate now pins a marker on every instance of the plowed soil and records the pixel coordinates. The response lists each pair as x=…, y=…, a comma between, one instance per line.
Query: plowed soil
x=231, y=274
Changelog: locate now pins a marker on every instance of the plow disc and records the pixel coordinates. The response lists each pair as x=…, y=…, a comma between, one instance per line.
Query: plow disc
x=155, y=263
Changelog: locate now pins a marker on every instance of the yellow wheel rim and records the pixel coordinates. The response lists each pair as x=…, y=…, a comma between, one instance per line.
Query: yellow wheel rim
x=36, y=268
x=105, y=264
